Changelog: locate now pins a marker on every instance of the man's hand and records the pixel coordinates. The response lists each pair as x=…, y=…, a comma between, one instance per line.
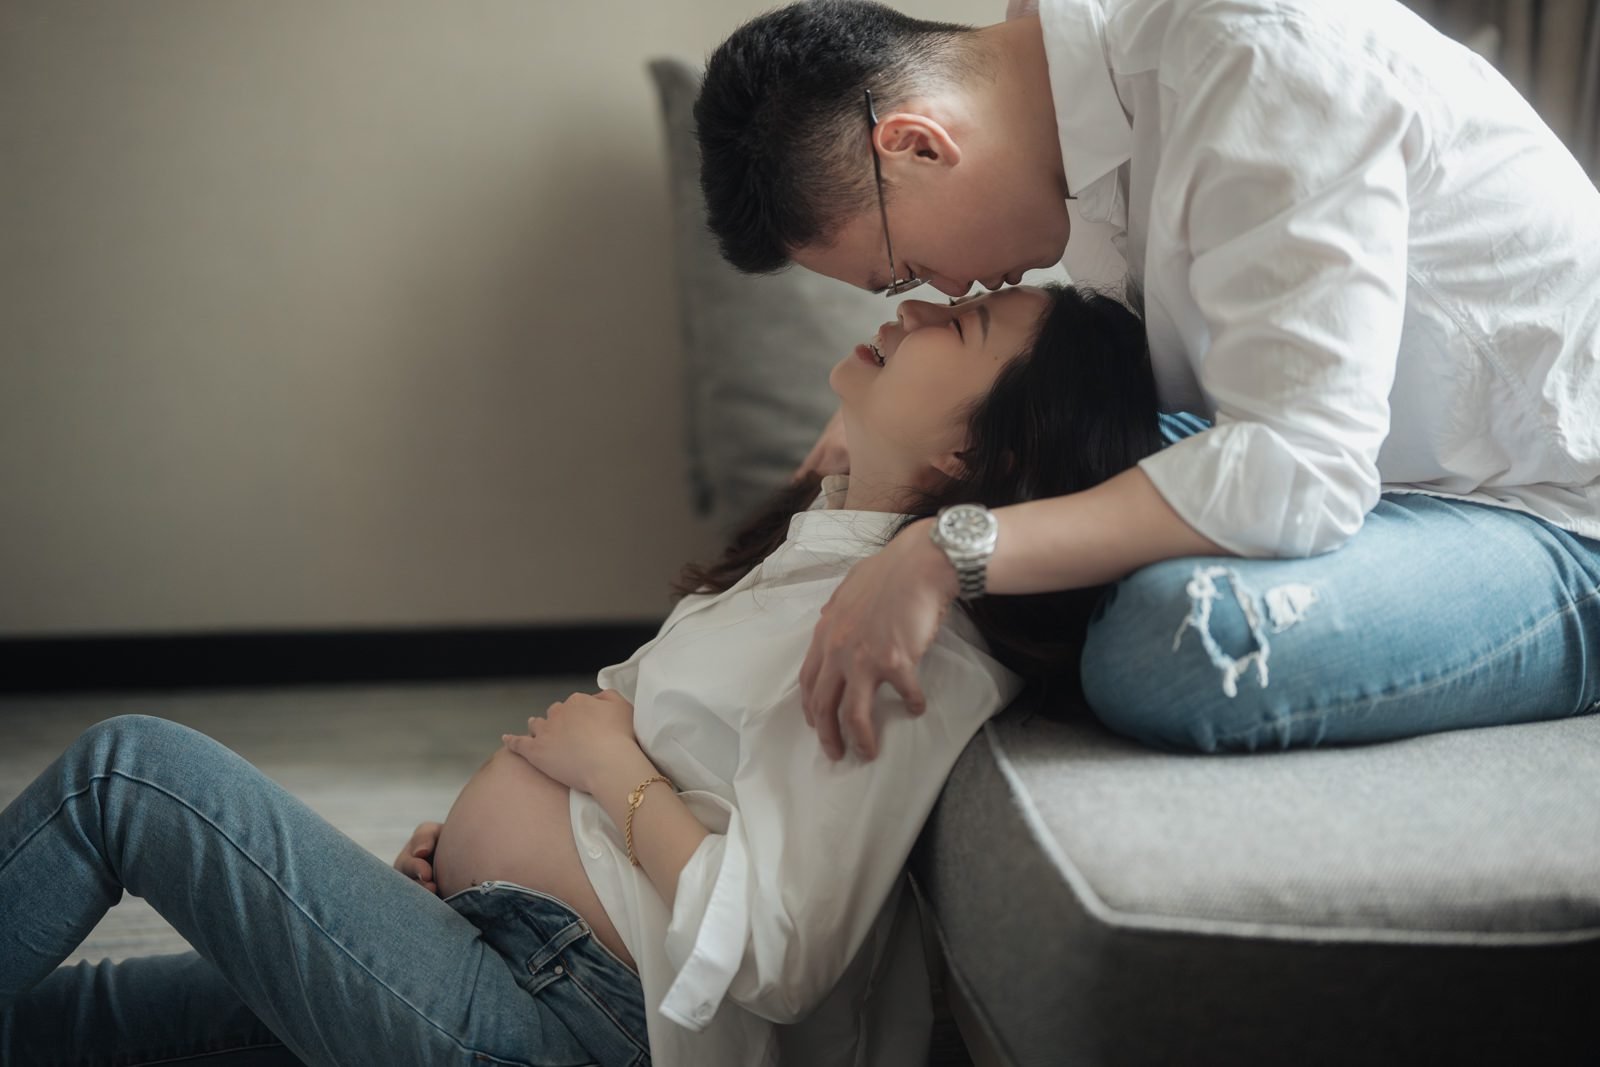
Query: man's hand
x=416, y=859
x=579, y=738
x=875, y=628
x=830, y=454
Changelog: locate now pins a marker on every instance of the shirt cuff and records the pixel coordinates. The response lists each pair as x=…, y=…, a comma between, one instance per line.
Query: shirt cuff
x=710, y=917
x=1244, y=487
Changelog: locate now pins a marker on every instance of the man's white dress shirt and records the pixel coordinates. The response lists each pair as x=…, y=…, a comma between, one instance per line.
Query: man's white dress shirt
x=1359, y=250
x=800, y=877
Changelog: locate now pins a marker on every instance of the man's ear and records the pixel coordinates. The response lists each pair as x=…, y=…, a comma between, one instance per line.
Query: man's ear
x=908, y=137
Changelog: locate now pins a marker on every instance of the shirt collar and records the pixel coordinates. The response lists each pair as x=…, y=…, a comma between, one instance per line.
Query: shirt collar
x=828, y=524
x=1096, y=137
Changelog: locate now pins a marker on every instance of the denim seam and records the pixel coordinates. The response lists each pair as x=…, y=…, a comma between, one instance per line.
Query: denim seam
x=1440, y=680
x=37, y=830
x=600, y=1003
x=485, y=1057
x=208, y=1054
x=268, y=875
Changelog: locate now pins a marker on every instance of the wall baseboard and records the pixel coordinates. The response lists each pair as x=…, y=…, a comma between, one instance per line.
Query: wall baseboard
x=284, y=658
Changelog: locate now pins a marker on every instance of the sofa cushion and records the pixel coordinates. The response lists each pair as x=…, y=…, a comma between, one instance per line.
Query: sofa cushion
x=1435, y=899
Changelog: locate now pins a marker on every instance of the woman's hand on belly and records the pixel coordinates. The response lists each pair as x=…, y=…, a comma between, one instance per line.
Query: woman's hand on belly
x=580, y=739
x=415, y=860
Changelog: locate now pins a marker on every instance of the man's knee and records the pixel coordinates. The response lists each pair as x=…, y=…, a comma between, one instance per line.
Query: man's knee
x=1128, y=668
x=1180, y=657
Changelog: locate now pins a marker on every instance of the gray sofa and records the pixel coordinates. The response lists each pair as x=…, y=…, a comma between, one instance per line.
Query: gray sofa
x=1435, y=900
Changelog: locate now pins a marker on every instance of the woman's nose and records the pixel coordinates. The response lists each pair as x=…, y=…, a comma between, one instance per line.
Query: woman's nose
x=912, y=314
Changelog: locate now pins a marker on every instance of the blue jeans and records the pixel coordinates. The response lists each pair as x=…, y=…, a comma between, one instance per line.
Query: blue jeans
x=310, y=948
x=1437, y=615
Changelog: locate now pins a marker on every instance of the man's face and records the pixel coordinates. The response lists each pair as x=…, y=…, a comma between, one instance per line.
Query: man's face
x=948, y=238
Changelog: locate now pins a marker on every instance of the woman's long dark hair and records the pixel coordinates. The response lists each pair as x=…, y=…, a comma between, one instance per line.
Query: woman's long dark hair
x=1075, y=408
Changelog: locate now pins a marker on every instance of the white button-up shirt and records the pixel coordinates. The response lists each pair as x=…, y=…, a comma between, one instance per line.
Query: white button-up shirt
x=800, y=876
x=1359, y=249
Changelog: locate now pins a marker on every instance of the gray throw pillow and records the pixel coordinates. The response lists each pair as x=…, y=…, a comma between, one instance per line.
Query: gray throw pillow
x=757, y=349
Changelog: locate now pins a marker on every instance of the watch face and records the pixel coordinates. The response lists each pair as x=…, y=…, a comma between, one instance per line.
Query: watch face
x=967, y=527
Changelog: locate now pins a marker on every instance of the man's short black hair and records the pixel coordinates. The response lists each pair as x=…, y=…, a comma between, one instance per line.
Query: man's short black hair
x=782, y=121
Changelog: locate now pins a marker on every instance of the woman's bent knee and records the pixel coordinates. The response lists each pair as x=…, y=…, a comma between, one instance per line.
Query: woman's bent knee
x=122, y=737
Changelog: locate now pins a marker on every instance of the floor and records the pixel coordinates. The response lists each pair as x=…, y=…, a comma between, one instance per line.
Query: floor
x=372, y=760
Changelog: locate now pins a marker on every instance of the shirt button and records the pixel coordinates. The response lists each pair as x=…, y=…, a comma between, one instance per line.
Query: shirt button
x=594, y=852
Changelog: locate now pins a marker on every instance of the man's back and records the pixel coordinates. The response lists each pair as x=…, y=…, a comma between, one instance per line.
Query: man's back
x=1313, y=188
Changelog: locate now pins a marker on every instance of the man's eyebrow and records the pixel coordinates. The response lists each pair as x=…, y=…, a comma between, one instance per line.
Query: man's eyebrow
x=983, y=320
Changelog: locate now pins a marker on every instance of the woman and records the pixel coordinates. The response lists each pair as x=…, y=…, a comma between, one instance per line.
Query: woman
x=665, y=868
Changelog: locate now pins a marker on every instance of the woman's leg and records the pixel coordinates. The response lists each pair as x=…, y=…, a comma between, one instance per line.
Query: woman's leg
x=174, y=1008
x=341, y=957
x=1437, y=615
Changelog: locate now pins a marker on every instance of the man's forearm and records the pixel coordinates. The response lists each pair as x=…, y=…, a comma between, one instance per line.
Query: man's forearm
x=1090, y=538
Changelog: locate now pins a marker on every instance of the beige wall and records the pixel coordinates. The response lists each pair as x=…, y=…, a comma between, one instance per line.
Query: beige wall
x=324, y=313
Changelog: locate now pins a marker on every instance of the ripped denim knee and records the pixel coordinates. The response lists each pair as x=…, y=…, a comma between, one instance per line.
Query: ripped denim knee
x=1281, y=607
x=1182, y=654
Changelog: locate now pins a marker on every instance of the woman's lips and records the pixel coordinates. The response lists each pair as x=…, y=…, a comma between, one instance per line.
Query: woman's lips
x=865, y=354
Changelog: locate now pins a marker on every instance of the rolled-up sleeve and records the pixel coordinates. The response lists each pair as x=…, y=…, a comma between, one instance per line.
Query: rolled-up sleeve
x=770, y=911
x=1292, y=164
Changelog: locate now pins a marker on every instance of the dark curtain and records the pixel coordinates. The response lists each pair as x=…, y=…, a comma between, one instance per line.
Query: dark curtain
x=1548, y=49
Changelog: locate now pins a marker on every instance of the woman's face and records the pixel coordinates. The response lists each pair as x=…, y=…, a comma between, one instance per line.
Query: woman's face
x=905, y=395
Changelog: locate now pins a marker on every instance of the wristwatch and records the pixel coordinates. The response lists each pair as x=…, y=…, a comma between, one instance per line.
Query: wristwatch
x=968, y=533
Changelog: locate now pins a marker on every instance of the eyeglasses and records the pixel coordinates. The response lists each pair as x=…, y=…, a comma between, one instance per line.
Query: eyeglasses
x=896, y=285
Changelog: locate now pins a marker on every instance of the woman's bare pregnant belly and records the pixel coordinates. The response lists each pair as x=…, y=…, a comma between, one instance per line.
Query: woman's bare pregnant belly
x=513, y=823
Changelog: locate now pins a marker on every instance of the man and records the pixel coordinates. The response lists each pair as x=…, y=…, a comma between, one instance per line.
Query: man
x=1354, y=246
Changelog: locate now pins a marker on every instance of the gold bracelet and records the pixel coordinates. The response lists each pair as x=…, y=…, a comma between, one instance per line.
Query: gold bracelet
x=636, y=798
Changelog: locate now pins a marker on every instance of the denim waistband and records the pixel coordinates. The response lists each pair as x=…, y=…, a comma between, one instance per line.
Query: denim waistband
x=557, y=958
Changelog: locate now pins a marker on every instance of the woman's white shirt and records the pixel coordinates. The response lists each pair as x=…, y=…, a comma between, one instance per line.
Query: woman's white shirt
x=1360, y=251
x=802, y=869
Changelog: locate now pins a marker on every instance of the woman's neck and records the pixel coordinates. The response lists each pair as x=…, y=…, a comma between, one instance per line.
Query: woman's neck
x=872, y=488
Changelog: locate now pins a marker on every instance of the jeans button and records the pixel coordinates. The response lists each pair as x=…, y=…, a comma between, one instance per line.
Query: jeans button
x=558, y=969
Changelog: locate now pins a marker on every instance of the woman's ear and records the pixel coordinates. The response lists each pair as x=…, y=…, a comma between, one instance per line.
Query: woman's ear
x=951, y=464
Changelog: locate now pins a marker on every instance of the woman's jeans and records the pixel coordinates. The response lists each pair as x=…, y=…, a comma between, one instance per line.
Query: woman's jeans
x=1437, y=615
x=310, y=948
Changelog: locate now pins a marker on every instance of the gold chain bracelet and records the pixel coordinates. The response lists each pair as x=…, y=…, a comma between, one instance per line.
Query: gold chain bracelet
x=636, y=798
